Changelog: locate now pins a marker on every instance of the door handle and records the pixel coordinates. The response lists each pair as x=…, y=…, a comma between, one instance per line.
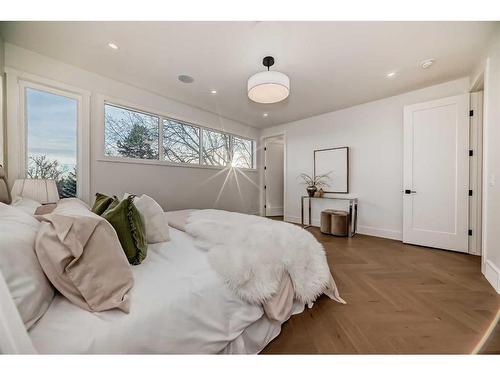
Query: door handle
x=408, y=191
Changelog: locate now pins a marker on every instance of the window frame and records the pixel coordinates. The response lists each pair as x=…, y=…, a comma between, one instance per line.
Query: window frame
x=160, y=131
x=161, y=161
x=253, y=152
x=200, y=137
x=26, y=81
x=230, y=152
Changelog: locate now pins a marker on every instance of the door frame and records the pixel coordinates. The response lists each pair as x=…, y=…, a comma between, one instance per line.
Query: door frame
x=263, y=141
x=476, y=172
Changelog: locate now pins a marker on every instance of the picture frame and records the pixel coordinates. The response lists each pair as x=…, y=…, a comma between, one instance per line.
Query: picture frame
x=336, y=162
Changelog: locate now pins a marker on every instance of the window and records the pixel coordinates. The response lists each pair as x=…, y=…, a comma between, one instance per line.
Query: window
x=51, y=133
x=215, y=148
x=130, y=134
x=242, y=153
x=181, y=142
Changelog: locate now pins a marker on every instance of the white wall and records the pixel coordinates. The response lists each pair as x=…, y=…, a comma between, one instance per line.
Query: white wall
x=374, y=134
x=274, y=175
x=1, y=55
x=2, y=148
x=491, y=166
x=174, y=187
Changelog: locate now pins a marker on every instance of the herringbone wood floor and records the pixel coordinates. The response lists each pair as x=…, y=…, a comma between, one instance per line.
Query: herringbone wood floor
x=400, y=299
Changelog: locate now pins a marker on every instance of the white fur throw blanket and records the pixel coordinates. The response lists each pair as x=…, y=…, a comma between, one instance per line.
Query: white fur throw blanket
x=252, y=254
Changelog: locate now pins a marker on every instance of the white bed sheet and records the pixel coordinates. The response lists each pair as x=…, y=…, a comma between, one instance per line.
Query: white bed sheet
x=178, y=305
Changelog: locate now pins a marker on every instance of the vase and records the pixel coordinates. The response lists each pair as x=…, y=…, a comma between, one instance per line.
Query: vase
x=311, y=190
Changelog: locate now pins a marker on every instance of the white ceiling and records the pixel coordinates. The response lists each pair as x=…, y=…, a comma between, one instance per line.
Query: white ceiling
x=331, y=65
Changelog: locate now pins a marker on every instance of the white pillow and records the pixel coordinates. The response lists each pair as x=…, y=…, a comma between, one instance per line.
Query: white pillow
x=30, y=289
x=73, y=206
x=28, y=205
x=154, y=219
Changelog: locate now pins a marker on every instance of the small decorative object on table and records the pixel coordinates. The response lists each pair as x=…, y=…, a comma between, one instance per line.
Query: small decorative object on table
x=319, y=193
x=311, y=190
x=313, y=183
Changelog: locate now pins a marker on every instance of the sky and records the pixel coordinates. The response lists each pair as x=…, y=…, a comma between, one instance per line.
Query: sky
x=52, y=126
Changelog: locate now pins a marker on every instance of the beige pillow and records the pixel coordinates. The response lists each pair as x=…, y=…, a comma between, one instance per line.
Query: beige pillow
x=81, y=255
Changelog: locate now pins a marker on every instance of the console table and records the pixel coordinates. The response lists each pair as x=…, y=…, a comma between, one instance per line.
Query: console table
x=353, y=212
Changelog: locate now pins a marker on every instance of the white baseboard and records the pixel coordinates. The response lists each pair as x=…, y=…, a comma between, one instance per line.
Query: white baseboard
x=380, y=232
x=274, y=211
x=492, y=274
x=362, y=229
x=296, y=220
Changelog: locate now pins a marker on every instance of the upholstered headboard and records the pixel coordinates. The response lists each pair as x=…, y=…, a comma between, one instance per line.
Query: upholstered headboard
x=4, y=188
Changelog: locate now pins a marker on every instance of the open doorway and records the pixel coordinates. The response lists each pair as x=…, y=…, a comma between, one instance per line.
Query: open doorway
x=274, y=157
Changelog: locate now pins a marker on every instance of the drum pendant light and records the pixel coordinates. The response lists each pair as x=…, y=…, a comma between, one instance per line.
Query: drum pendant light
x=269, y=86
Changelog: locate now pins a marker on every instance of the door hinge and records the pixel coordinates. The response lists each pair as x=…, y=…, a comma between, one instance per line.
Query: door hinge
x=265, y=167
x=470, y=193
x=265, y=206
x=471, y=113
x=471, y=152
x=470, y=232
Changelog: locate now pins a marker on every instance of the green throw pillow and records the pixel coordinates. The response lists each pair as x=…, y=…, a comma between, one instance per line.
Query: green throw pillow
x=101, y=203
x=129, y=227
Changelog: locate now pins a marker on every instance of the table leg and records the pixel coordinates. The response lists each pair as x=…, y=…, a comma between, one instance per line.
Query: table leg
x=355, y=217
x=310, y=212
x=351, y=216
x=302, y=211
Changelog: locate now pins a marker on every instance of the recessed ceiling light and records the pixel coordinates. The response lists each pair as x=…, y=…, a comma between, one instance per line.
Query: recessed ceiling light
x=213, y=92
x=112, y=45
x=390, y=75
x=265, y=114
x=427, y=63
x=185, y=78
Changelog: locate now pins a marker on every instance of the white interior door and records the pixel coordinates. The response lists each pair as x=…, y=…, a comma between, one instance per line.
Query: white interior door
x=273, y=176
x=436, y=173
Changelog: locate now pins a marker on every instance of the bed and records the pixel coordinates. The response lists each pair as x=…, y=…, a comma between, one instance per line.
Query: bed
x=178, y=305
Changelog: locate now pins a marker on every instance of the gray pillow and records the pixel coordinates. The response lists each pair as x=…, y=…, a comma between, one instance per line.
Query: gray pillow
x=28, y=286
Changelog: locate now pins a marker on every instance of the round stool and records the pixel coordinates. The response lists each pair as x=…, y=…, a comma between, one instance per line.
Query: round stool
x=339, y=223
x=326, y=221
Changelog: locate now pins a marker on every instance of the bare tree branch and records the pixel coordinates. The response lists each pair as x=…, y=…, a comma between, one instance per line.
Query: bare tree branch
x=136, y=135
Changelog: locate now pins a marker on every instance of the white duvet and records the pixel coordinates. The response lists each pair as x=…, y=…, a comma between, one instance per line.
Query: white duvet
x=253, y=254
x=178, y=305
